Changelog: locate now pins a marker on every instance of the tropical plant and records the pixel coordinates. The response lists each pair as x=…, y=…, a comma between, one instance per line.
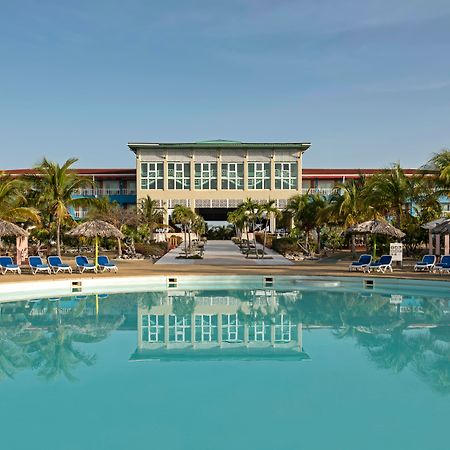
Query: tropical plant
x=390, y=193
x=13, y=201
x=151, y=215
x=441, y=162
x=184, y=216
x=57, y=186
x=250, y=210
x=266, y=211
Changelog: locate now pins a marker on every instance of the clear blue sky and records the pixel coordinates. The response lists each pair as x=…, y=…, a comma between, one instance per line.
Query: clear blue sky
x=367, y=82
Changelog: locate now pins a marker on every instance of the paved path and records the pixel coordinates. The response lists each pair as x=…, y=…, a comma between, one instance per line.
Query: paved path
x=224, y=253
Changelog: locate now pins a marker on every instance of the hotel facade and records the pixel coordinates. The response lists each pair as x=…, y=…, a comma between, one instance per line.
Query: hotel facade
x=213, y=177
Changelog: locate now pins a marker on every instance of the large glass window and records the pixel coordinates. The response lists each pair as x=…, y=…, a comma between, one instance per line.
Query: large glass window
x=205, y=175
x=285, y=175
x=205, y=328
x=258, y=175
x=153, y=328
x=232, y=329
x=259, y=331
x=179, y=176
x=283, y=329
x=232, y=176
x=179, y=328
x=152, y=175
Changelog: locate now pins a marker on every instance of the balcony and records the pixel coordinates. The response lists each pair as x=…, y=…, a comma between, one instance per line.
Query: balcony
x=101, y=192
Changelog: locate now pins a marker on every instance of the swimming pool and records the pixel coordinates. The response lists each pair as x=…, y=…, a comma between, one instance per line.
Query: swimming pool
x=255, y=363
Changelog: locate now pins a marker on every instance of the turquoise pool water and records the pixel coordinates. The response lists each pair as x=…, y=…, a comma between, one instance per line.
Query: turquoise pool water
x=316, y=367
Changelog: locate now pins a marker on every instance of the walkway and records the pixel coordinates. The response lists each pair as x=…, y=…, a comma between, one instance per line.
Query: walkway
x=224, y=253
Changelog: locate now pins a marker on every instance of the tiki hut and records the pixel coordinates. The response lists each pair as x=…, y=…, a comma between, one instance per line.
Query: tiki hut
x=11, y=229
x=376, y=227
x=96, y=229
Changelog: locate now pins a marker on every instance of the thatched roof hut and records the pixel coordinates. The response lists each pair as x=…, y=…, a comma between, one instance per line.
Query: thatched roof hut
x=376, y=227
x=96, y=228
x=11, y=229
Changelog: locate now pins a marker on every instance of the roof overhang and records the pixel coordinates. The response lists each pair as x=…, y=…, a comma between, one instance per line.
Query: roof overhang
x=222, y=145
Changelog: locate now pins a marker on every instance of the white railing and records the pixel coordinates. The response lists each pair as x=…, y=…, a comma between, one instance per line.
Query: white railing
x=103, y=192
x=322, y=191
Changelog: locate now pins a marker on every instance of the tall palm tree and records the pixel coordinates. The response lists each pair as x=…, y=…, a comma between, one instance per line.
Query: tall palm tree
x=268, y=210
x=237, y=218
x=150, y=214
x=308, y=212
x=347, y=205
x=57, y=185
x=390, y=192
x=250, y=209
x=184, y=216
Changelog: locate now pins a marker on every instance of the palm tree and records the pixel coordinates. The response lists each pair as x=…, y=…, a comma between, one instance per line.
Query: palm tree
x=184, y=216
x=250, y=209
x=390, y=192
x=13, y=201
x=441, y=162
x=266, y=210
x=150, y=214
x=237, y=218
x=348, y=206
x=308, y=213
x=57, y=185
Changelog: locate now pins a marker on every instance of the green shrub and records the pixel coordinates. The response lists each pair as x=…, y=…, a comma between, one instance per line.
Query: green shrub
x=285, y=245
x=155, y=249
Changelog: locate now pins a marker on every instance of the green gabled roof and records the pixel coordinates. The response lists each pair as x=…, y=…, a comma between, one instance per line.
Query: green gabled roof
x=220, y=143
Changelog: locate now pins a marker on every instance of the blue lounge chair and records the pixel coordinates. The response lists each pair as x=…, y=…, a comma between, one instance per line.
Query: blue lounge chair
x=443, y=265
x=383, y=264
x=363, y=261
x=83, y=264
x=7, y=265
x=56, y=265
x=427, y=263
x=36, y=265
x=105, y=264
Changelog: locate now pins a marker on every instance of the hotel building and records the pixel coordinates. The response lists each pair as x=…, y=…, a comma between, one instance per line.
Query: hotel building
x=214, y=177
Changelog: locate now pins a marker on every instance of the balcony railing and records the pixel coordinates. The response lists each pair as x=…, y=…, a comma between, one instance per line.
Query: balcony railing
x=102, y=192
x=322, y=191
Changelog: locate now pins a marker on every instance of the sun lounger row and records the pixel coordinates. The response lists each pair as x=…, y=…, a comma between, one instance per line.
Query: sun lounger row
x=427, y=264
x=54, y=264
x=365, y=264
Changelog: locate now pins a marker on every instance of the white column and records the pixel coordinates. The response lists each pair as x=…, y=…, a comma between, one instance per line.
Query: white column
x=446, y=244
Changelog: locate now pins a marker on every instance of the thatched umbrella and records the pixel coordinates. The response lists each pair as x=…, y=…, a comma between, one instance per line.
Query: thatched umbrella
x=96, y=229
x=376, y=227
x=11, y=229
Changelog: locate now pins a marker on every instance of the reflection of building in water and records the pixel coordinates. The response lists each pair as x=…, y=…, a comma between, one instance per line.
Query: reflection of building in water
x=217, y=327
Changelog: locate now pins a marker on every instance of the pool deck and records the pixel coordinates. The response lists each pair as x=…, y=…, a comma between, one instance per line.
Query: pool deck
x=226, y=264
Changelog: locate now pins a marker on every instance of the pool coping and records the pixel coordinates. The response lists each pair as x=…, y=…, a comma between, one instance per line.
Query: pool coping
x=126, y=284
